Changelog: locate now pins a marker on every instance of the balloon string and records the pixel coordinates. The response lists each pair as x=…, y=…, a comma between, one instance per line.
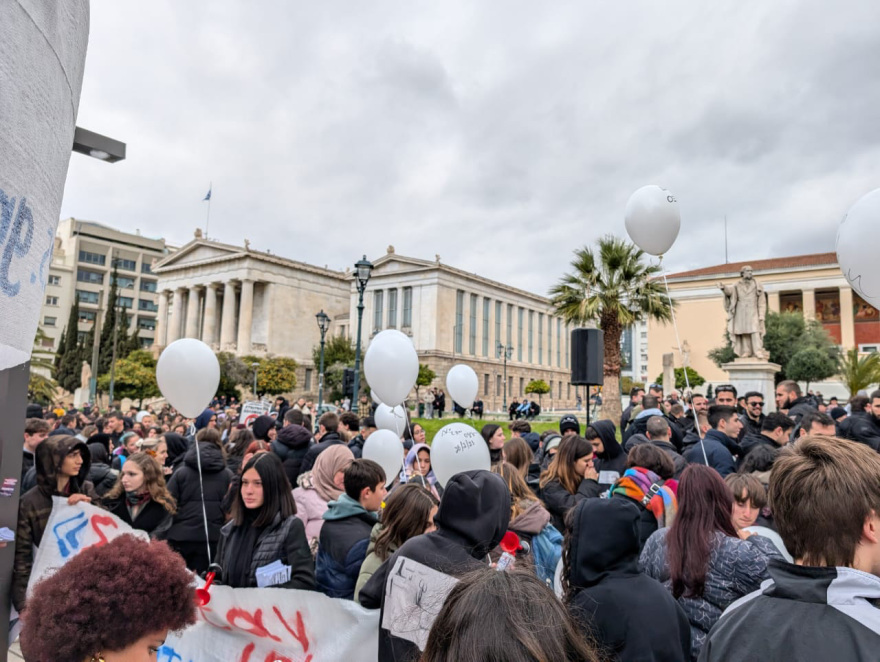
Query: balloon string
x=687, y=382
x=204, y=510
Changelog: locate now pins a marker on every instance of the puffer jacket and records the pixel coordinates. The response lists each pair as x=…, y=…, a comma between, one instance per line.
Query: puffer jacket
x=559, y=500
x=342, y=547
x=283, y=541
x=188, y=525
x=291, y=445
x=35, y=507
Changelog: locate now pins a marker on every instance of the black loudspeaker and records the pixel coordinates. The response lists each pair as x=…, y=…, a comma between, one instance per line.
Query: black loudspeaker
x=587, y=357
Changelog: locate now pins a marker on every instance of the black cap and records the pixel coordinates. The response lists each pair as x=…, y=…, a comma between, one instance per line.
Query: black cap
x=569, y=422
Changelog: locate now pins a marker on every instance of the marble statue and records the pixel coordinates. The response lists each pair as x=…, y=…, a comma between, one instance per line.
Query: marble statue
x=85, y=375
x=746, y=308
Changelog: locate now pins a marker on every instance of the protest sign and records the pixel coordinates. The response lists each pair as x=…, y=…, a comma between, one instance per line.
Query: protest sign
x=251, y=409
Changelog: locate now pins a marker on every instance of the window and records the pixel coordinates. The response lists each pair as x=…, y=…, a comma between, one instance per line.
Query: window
x=86, y=276
x=146, y=343
x=126, y=302
x=407, y=308
x=519, y=333
x=392, y=309
x=497, y=322
x=540, y=338
x=531, y=332
x=54, y=280
x=87, y=316
x=521, y=389
x=510, y=386
x=86, y=297
x=146, y=268
x=308, y=385
x=378, y=301
x=123, y=263
x=123, y=282
x=49, y=321
x=560, y=389
x=81, y=335
x=486, y=384
x=51, y=301
x=145, y=305
x=497, y=384
x=486, y=308
x=472, y=326
x=147, y=323
x=148, y=285
x=459, y=321
x=559, y=344
x=92, y=258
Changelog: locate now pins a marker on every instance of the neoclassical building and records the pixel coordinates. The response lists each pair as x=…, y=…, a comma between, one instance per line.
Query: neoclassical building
x=254, y=303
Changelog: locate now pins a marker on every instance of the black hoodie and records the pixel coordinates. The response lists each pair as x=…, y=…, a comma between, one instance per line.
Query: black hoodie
x=612, y=459
x=312, y=453
x=473, y=516
x=628, y=614
x=188, y=523
x=291, y=444
x=261, y=427
x=177, y=447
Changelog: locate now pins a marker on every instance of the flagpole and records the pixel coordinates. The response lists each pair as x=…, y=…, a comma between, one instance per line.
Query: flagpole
x=208, y=219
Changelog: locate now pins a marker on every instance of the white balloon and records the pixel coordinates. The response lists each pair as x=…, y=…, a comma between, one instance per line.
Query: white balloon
x=457, y=447
x=391, y=366
x=384, y=448
x=391, y=418
x=652, y=219
x=857, y=251
x=188, y=374
x=462, y=384
x=375, y=397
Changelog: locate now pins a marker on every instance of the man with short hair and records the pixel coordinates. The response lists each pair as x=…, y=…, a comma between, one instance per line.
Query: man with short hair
x=774, y=434
x=816, y=423
x=291, y=443
x=658, y=432
x=635, y=399
x=117, y=426
x=823, y=606
x=790, y=400
x=651, y=407
x=698, y=403
x=866, y=429
x=35, y=432
x=725, y=395
x=719, y=442
x=523, y=429
x=327, y=435
x=753, y=418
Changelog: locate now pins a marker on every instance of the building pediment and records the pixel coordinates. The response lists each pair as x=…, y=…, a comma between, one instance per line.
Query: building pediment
x=199, y=252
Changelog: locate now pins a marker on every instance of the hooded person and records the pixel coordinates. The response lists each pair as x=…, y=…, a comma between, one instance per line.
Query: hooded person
x=413, y=468
x=291, y=445
x=320, y=486
x=177, y=447
x=609, y=460
x=473, y=516
x=629, y=615
x=264, y=428
x=62, y=467
x=204, y=418
x=100, y=473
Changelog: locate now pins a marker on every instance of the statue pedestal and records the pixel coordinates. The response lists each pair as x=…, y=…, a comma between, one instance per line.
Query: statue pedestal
x=751, y=374
x=80, y=397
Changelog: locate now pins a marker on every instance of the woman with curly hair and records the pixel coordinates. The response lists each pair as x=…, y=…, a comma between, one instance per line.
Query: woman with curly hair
x=140, y=498
x=73, y=616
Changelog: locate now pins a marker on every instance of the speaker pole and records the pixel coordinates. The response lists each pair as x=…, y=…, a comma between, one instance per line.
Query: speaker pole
x=587, y=403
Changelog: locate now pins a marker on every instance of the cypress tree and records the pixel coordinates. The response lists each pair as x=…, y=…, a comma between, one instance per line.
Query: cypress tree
x=107, y=330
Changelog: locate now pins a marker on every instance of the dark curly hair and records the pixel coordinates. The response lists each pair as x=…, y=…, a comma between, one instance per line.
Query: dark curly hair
x=143, y=587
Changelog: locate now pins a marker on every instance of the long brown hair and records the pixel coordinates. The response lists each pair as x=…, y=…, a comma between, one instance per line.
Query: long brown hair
x=404, y=516
x=571, y=449
x=518, y=453
x=154, y=481
x=520, y=494
x=705, y=506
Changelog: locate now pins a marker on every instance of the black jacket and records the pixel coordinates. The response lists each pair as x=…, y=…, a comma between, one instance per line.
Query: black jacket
x=312, y=454
x=102, y=477
x=356, y=446
x=188, y=524
x=612, y=459
x=864, y=428
x=640, y=426
x=559, y=500
x=752, y=441
x=717, y=445
x=629, y=615
x=473, y=516
x=291, y=445
x=27, y=463
x=750, y=426
x=283, y=541
x=806, y=613
x=153, y=518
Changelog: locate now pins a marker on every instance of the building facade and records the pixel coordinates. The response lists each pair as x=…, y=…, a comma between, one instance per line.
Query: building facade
x=812, y=285
x=83, y=261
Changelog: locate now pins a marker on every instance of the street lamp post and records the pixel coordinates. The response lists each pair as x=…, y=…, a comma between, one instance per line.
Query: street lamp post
x=362, y=270
x=323, y=325
x=256, y=367
x=506, y=353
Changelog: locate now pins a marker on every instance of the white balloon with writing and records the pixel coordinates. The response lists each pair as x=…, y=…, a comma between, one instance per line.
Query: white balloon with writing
x=188, y=374
x=391, y=366
x=458, y=447
x=391, y=418
x=652, y=219
x=386, y=449
x=857, y=247
x=462, y=383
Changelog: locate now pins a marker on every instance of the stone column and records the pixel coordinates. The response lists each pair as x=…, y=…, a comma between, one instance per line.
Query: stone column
x=245, y=316
x=227, y=319
x=162, y=320
x=174, y=325
x=192, y=314
x=209, y=324
x=847, y=321
x=809, y=297
x=773, y=301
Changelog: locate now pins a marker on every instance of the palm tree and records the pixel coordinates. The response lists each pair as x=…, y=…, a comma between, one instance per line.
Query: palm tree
x=41, y=385
x=613, y=286
x=859, y=372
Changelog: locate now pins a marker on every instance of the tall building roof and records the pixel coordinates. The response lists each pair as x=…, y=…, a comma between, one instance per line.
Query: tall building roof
x=772, y=264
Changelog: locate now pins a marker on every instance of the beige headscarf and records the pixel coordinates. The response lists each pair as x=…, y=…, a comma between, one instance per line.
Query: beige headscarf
x=334, y=459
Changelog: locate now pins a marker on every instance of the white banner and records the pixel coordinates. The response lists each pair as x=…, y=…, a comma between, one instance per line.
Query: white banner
x=237, y=625
x=42, y=55
x=252, y=409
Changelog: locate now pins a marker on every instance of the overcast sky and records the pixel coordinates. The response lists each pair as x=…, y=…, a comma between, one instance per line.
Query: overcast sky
x=500, y=135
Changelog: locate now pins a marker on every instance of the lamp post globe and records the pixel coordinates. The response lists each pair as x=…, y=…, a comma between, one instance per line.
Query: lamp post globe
x=323, y=324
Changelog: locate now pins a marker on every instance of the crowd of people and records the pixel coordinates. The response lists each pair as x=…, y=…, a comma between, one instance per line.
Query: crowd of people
x=670, y=537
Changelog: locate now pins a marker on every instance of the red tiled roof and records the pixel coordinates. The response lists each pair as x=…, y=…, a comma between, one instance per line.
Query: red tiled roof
x=814, y=260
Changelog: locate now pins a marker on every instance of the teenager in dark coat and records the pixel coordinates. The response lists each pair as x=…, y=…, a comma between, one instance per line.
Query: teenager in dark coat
x=291, y=445
x=629, y=615
x=610, y=458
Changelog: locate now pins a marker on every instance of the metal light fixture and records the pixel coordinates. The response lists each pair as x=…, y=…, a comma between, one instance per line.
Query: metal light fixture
x=323, y=325
x=362, y=269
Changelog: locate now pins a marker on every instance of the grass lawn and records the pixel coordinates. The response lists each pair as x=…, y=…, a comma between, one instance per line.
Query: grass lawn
x=432, y=425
